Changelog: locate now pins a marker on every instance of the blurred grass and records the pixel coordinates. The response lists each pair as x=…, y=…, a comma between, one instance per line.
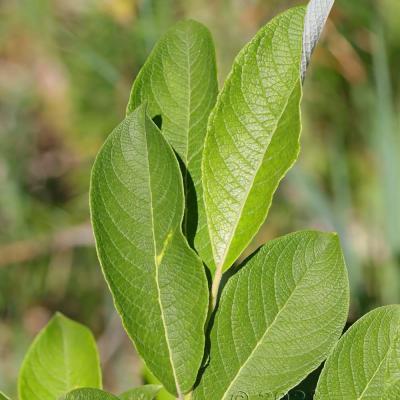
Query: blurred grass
x=65, y=73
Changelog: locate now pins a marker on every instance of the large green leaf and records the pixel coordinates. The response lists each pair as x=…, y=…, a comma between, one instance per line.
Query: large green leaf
x=89, y=394
x=62, y=357
x=146, y=392
x=366, y=362
x=278, y=318
x=253, y=135
x=157, y=281
x=179, y=83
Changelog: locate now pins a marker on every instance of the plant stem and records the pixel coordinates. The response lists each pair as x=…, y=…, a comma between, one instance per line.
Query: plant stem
x=215, y=288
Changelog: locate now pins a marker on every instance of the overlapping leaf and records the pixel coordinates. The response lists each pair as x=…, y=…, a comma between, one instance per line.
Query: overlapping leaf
x=89, y=394
x=179, y=83
x=253, y=135
x=278, y=318
x=62, y=357
x=158, y=283
x=366, y=362
x=151, y=379
x=3, y=396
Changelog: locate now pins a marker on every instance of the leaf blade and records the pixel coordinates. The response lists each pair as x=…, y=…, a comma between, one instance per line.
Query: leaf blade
x=158, y=283
x=89, y=394
x=260, y=98
x=258, y=345
x=368, y=358
x=62, y=357
x=179, y=82
x=146, y=392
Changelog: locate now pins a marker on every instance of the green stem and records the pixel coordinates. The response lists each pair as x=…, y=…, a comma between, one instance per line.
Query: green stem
x=215, y=288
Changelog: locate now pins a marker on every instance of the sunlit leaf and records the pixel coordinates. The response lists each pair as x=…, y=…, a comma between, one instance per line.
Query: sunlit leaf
x=147, y=392
x=157, y=281
x=89, y=394
x=278, y=318
x=179, y=83
x=253, y=135
x=366, y=362
x=62, y=357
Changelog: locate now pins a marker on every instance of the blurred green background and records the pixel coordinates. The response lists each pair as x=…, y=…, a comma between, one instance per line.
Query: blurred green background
x=66, y=68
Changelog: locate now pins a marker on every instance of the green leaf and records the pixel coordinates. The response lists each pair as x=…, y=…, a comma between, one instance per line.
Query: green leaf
x=366, y=362
x=150, y=378
x=62, y=357
x=278, y=318
x=179, y=83
x=146, y=392
x=157, y=281
x=392, y=376
x=89, y=394
x=253, y=135
x=3, y=396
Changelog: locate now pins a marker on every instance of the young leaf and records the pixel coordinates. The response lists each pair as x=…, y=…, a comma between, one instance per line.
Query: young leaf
x=62, y=357
x=3, y=396
x=89, y=394
x=278, y=318
x=157, y=281
x=253, y=135
x=179, y=83
x=366, y=362
x=146, y=392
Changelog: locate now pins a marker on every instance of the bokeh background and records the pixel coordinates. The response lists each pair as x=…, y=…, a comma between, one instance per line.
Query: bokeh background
x=66, y=68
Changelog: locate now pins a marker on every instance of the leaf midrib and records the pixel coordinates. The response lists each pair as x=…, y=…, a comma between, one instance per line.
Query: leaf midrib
x=156, y=265
x=374, y=374
x=66, y=358
x=244, y=201
x=261, y=340
x=188, y=119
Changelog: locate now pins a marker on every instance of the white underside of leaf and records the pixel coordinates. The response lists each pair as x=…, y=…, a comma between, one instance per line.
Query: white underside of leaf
x=315, y=19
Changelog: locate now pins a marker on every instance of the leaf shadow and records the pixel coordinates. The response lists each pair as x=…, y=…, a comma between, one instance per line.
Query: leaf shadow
x=191, y=217
x=157, y=119
x=236, y=268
